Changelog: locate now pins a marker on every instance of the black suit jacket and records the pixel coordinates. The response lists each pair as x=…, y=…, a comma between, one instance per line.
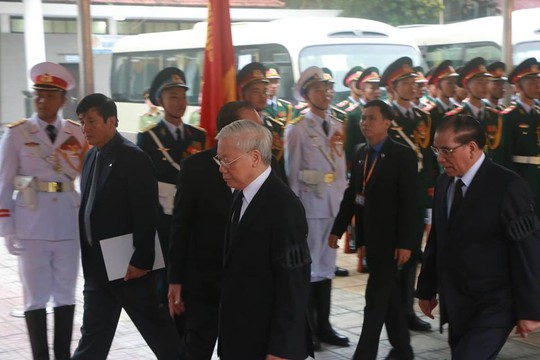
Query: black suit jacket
x=485, y=267
x=126, y=201
x=200, y=215
x=387, y=221
x=266, y=279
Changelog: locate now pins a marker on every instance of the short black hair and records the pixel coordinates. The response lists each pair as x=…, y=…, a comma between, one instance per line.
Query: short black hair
x=465, y=127
x=104, y=106
x=229, y=112
x=385, y=109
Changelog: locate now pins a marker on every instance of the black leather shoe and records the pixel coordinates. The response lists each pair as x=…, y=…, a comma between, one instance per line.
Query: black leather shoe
x=416, y=324
x=333, y=338
x=341, y=271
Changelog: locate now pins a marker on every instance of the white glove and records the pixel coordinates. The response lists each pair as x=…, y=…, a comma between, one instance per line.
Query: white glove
x=12, y=244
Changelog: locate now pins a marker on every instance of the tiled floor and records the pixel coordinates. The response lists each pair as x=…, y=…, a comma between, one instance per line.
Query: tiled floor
x=347, y=308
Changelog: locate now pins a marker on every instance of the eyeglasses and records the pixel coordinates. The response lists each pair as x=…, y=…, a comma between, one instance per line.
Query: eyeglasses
x=227, y=165
x=445, y=151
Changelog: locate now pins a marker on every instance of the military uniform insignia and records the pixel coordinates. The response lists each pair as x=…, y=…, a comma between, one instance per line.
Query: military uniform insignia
x=163, y=132
x=523, y=126
x=455, y=111
x=336, y=144
x=146, y=128
x=194, y=148
x=73, y=122
x=16, y=123
x=508, y=109
x=70, y=144
x=343, y=103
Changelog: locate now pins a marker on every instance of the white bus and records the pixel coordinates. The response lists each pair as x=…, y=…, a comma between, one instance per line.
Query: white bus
x=463, y=41
x=292, y=44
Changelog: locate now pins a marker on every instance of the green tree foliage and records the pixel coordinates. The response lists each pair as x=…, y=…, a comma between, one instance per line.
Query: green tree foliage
x=394, y=12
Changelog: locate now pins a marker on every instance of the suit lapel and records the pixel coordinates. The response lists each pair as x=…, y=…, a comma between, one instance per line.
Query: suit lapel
x=250, y=216
x=473, y=194
x=88, y=164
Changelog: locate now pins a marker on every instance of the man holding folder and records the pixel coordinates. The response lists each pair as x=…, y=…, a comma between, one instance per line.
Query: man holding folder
x=119, y=197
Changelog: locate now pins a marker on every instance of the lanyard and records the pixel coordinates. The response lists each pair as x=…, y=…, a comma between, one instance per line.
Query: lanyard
x=366, y=179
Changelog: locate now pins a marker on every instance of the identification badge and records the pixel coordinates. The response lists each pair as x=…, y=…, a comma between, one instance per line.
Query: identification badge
x=360, y=199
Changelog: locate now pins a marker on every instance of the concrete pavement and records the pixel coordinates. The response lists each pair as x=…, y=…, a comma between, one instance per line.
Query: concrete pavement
x=347, y=312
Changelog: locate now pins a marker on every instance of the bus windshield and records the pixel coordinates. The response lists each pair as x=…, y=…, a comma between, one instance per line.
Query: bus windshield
x=340, y=58
x=525, y=50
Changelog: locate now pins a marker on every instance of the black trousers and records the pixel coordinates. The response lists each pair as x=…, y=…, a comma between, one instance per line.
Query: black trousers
x=201, y=330
x=384, y=306
x=478, y=342
x=102, y=306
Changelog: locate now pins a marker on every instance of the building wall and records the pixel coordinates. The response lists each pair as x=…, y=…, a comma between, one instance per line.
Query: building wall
x=13, y=76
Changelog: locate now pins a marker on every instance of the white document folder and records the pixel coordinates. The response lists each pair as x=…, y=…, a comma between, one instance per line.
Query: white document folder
x=117, y=252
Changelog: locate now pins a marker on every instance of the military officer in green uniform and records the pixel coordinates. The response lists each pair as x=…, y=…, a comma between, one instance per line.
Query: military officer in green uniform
x=253, y=87
x=443, y=79
x=474, y=77
x=522, y=127
x=420, y=99
x=349, y=81
x=277, y=108
x=496, y=85
x=412, y=127
x=367, y=85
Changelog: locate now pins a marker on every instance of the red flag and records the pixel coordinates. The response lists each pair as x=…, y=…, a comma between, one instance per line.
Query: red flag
x=219, y=73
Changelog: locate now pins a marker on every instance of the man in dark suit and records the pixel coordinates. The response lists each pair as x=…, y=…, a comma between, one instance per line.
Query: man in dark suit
x=381, y=193
x=481, y=255
x=202, y=203
x=167, y=143
x=266, y=269
x=119, y=196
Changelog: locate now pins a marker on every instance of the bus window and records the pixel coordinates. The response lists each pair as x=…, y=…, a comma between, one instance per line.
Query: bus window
x=489, y=51
x=119, y=78
x=269, y=54
x=191, y=63
x=342, y=57
x=525, y=50
x=434, y=55
x=144, y=68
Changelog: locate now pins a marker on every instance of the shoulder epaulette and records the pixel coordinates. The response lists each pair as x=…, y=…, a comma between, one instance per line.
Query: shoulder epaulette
x=73, y=122
x=342, y=103
x=420, y=111
x=274, y=120
x=148, y=127
x=429, y=107
x=455, y=111
x=198, y=128
x=16, y=123
x=493, y=110
x=339, y=111
x=508, y=109
x=537, y=107
x=336, y=118
x=296, y=120
x=285, y=101
x=351, y=108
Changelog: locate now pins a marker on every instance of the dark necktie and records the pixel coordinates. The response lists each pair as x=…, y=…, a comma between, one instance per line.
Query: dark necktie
x=456, y=200
x=372, y=154
x=178, y=134
x=409, y=115
x=51, y=131
x=238, y=197
x=325, y=127
x=90, y=199
x=480, y=115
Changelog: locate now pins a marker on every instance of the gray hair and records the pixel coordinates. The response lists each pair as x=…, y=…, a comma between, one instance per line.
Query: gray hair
x=249, y=136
